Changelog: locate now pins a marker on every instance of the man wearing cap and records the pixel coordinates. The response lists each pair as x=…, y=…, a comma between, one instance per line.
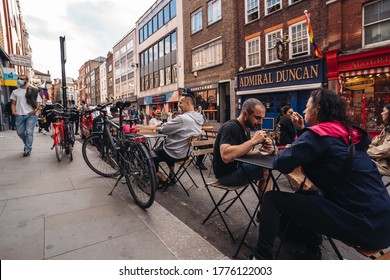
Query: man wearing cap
x=157, y=120
x=25, y=105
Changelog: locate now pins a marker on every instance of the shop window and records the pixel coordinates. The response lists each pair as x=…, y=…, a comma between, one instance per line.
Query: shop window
x=365, y=97
x=299, y=45
x=253, y=52
x=376, y=22
x=252, y=10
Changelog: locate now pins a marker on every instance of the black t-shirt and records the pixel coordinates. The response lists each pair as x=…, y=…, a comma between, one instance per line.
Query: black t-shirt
x=231, y=133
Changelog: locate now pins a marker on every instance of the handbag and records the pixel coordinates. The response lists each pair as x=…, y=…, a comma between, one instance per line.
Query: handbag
x=31, y=97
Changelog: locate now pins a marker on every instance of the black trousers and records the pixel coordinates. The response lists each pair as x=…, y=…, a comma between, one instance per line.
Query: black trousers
x=306, y=210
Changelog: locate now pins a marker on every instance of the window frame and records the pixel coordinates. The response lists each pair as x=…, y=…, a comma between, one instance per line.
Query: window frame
x=194, y=17
x=266, y=8
x=211, y=4
x=290, y=50
x=377, y=23
x=246, y=11
x=247, y=42
x=208, y=55
x=290, y=2
x=267, y=49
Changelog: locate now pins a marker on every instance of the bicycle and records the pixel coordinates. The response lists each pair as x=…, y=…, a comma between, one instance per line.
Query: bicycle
x=122, y=155
x=63, y=131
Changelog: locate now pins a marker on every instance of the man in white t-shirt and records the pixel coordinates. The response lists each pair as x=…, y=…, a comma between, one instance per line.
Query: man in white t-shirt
x=25, y=105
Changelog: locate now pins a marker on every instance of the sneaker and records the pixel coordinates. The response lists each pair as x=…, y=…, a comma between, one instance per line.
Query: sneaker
x=44, y=132
x=26, y=154
x=201, y=166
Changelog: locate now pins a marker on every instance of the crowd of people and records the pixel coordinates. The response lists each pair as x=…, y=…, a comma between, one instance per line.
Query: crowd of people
x=350, y=202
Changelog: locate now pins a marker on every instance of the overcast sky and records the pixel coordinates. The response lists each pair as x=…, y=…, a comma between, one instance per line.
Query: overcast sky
x=91, y=28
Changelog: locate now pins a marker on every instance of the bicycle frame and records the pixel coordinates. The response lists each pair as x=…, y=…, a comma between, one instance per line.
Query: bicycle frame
x=58, y=126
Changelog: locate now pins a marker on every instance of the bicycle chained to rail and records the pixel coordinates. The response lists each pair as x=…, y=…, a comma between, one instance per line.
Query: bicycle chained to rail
x=121, y=155
x=63, y=130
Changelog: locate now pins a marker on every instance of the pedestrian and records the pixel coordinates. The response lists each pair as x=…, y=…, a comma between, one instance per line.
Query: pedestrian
x=156, y=121
x=352, y=204
x=164, y=116
x=76, y=116
x=379, y=150
x=48, y=115
x=11, y=118
x=142, y=116
x=25, y=105
x=134, y=114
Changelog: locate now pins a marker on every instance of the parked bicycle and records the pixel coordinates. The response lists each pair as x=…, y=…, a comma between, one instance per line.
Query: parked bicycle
x=63, y=130
x=122, y=155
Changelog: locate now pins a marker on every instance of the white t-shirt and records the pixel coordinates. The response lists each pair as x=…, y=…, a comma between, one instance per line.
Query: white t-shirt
x=155, y=122
x=22, y=107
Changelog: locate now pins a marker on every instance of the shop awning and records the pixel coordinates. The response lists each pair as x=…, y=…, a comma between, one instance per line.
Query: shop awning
x=372, y=71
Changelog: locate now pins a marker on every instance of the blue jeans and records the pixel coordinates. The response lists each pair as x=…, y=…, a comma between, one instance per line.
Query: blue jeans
x=25, y=129
x=242, y=175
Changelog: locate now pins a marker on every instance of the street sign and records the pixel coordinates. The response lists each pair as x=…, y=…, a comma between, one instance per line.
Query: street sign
x=21, y=60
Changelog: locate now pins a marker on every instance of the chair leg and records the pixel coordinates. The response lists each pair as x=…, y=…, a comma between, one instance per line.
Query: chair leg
x=336, y=250
x=219, y=212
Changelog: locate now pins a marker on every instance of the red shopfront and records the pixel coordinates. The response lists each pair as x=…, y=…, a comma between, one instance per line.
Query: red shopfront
x=363, y=80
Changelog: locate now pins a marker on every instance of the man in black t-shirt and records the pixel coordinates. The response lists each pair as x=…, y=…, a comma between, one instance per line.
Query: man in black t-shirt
x=233, y=140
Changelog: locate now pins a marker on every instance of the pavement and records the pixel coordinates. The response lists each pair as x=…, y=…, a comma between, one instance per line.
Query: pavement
x=62, y=210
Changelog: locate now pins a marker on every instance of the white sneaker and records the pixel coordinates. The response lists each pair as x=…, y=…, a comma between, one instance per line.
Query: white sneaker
x=44, y=132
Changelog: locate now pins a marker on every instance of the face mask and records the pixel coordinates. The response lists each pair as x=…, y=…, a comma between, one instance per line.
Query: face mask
x=21, y=83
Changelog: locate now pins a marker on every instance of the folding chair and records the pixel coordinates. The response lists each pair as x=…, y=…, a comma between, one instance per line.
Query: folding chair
x=368, y=253
x=237, y=190
x=183, y=166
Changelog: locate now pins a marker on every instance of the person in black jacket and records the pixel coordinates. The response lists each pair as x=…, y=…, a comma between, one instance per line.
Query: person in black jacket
x=287, y=133
x=351, y=205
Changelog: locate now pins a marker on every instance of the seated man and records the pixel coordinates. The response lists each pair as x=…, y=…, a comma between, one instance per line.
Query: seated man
x=234, y=140
x=379, y=149
x=179, y=130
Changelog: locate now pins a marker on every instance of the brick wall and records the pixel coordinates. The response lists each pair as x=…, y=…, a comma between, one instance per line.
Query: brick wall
x=226, y=28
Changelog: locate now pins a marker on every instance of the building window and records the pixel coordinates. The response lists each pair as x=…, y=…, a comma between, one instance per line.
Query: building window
x=207, y=56
x=110, y=82
x=253, y=52
x=376, y=22
x=161, y=48
x=174, y=73
x=167, y=42
x=110, y=68
x=162, y=77
x=196, y=21
x=272, y=6
x=214, y=11
x=156, y=79
x=168, y=75
x=173, y=41
x=270, y=43
x=173, y=8
x=252, y=10
x=166, y=14
x=299, y=44
x=291, y=2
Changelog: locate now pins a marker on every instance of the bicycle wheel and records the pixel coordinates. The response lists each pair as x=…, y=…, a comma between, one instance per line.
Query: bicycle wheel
x=99, y=156
x=141, y=175
x=59, y=146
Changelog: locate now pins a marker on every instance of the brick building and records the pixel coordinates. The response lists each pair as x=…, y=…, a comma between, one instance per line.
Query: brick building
x=211, y=52
x=276, y=61
x=110, y=76
x=358, y=58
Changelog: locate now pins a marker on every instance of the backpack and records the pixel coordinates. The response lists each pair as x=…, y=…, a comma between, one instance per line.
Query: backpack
x=31, y=96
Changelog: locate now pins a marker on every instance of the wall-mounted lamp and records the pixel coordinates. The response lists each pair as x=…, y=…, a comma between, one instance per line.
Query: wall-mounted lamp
x=133, y=64
x=241, y=69
x=196, y=74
